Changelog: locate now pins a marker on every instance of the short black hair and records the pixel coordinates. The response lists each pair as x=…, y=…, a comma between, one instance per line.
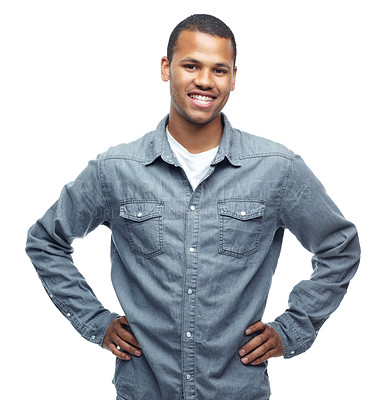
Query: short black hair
x=201, y=23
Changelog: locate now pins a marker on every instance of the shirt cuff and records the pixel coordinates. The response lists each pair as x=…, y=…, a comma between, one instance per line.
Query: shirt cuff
x=290, y=337
x=98, y=329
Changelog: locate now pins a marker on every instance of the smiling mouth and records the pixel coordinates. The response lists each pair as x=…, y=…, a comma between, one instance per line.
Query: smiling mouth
x=203, y=100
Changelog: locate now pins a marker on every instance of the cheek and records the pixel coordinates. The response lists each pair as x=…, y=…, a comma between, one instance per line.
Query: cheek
x=177, y=96
x=226, y=89
x=179, y=85
x=225, y=86
x=232, y=84
x=181, y=78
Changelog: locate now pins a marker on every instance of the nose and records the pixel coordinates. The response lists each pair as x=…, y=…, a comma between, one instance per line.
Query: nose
x=204, y=79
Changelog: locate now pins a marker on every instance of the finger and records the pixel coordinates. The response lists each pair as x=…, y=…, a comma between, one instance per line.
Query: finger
x=117, y=352
x=252, y=344
x=257, y=352
x=258, y=326
x=265, y=357
x=120, y=340
x=128, y=337
x=125, y=334
x=135, y=351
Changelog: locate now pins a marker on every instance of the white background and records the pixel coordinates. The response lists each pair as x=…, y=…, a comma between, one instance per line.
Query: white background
x=79, y=76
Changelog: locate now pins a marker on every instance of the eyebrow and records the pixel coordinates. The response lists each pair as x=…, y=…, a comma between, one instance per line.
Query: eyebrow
x=194, y=61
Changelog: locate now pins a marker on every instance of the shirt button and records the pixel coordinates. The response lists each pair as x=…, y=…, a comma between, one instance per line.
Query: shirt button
x=190, y=291
x=191, y=249
x=68, y=314
x=188, y=334
x=188, y=377
x=292, y=352
x=243, y=213
x=192, y=208
x=139, y=214
x=93, y=337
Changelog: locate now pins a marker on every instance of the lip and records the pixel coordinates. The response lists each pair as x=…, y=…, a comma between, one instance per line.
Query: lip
x=199, y=104
x=202, y=93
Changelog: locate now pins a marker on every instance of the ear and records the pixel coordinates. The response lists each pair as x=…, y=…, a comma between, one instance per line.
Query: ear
x=233, y=80
x=165, y=69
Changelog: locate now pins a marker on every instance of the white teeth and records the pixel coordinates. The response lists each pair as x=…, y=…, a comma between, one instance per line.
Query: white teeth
x=201, y=99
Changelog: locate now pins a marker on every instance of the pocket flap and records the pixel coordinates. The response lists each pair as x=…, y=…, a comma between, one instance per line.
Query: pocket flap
x=242, y=209
x=141, y=210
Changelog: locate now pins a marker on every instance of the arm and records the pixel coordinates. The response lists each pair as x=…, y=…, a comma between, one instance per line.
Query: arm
x=309, y=213
x=81, y=207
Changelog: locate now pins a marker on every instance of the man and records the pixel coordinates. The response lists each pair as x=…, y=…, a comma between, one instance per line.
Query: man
x=197, y=211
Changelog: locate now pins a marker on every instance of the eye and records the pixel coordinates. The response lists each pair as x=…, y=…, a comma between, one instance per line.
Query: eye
x=190, y=67
x=220, y=71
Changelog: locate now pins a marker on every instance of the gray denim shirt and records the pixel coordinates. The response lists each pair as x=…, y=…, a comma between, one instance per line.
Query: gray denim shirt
x=193, y=269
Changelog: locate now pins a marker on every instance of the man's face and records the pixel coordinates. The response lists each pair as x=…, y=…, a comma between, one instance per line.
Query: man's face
x=201, y=74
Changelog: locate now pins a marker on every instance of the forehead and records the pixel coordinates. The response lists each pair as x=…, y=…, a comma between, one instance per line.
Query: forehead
x=202, y=45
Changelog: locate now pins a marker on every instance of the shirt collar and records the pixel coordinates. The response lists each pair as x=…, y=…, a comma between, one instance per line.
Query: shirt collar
x=228, y=148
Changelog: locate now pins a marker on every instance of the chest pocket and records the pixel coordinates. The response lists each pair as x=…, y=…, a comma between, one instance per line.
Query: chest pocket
x=144, y=226
x=240, y=226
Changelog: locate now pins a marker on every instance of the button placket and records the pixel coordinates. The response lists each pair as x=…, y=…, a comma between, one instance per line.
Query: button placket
x=188, y=328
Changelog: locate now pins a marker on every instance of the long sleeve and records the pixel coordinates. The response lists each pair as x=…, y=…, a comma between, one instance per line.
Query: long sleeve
x=314, y=219
x=80, y=208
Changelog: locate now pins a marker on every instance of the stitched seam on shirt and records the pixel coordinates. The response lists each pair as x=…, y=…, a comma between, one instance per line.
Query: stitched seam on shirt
x=103, y=187
x=83, y=329
x=72, y=318
x=283, y=190
x=128, y=157
x=267, y=154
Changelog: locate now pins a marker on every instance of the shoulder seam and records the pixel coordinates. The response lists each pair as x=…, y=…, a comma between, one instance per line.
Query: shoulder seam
x=105, y=156
x=268, y=154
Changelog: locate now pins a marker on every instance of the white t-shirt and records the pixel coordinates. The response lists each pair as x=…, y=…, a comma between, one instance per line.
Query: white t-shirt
x=194, y=165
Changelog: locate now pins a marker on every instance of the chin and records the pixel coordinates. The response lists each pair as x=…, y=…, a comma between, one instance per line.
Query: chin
x=201, y=119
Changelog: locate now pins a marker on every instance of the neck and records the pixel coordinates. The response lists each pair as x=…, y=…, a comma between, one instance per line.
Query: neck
x=196, y=138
